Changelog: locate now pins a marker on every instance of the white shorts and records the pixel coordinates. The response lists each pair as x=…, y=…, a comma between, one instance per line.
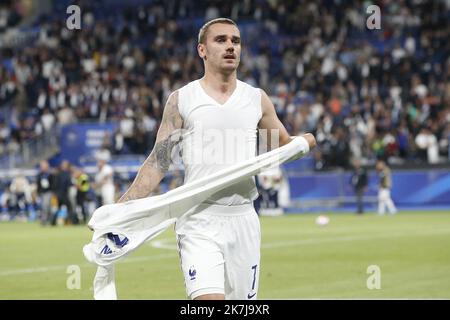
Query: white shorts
x=220, y=251
x=384, y=194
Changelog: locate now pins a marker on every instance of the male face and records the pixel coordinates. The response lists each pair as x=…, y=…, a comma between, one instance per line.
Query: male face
x=222, y=47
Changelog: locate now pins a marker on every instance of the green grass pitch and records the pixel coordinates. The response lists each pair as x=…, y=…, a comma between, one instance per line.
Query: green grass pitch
x=300, y=260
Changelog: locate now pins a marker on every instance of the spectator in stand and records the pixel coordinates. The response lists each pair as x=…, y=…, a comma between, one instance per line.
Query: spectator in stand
x=428, y=146
x=377, y=87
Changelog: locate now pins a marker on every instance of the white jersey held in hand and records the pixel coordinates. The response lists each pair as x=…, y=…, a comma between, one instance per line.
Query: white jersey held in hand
x=121, y=228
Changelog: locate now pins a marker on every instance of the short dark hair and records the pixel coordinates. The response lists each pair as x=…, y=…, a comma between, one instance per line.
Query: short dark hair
x=204, y=29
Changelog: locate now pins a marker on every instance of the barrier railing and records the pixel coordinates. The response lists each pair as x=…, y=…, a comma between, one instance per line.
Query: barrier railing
x=32, y=151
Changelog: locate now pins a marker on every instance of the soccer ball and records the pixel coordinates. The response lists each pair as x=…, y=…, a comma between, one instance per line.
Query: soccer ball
x=322, y=220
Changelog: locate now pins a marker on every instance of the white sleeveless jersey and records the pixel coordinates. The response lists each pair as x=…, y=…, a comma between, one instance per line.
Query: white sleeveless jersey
x=216, y=136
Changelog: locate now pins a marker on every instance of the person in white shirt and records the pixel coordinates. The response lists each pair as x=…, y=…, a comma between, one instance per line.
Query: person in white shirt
x=384, y=191
x=216, y=118
x=104, y=181
x=427, y=143
x=21, y=195
x=270, y=182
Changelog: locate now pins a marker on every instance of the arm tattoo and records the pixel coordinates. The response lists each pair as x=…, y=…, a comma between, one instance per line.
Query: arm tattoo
x=163, y=152
x=157, y=164
x=168, y=136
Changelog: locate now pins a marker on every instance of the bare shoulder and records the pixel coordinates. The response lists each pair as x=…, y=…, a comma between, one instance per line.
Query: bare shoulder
x=172, y=101
x=266, y=103
x=171, y=112
x=264, y=94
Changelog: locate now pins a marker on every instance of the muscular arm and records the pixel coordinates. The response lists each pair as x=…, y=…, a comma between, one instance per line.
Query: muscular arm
x=156, y=165
x=269, y=121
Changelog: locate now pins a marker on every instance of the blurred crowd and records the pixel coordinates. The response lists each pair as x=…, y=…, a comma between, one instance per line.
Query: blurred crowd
x=10, y=14
x=61, y=195
x=67, y=194
x=365, y=94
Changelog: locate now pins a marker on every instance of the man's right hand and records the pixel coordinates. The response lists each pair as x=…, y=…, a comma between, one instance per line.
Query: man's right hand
x=311, y=140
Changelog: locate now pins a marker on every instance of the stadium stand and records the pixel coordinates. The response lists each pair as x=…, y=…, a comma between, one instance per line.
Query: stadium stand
x=365, y=94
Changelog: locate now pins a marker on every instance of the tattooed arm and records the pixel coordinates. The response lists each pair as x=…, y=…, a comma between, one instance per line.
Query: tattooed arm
x=156, y=165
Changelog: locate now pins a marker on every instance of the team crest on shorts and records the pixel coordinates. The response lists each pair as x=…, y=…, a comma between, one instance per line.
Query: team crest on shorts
x=192, y=272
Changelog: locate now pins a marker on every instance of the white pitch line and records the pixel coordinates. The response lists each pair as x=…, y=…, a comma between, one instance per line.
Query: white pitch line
x=64, y=267
x=163, y=244
x=30, y=270
x=349, y=238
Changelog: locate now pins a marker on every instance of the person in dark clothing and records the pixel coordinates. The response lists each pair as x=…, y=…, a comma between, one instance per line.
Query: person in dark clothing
x=339, y=149
x=83, y=187
x=45, y=185
x=359, y=183
x=63, y=181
